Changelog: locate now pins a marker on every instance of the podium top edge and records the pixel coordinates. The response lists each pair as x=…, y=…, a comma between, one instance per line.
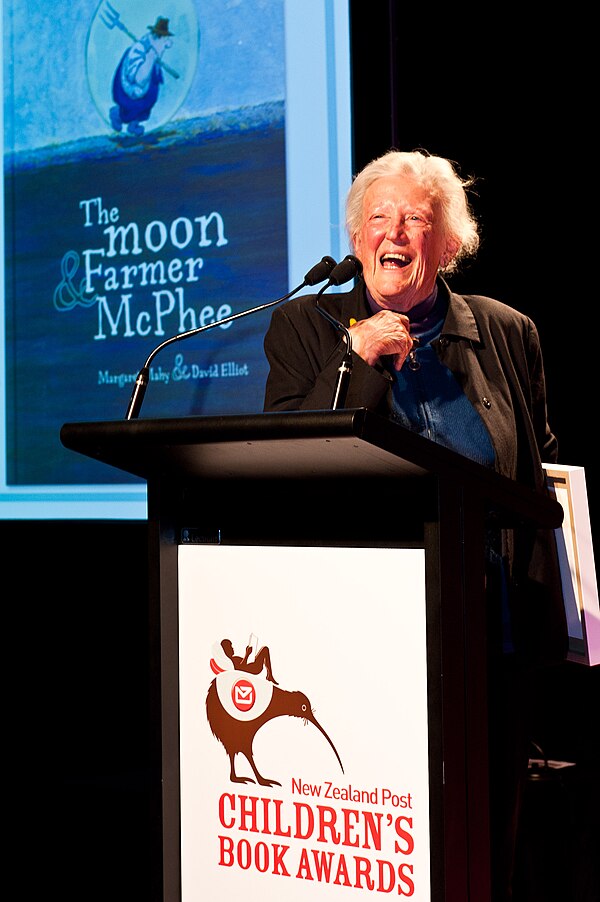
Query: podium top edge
x=243, y=445
x=312, y=422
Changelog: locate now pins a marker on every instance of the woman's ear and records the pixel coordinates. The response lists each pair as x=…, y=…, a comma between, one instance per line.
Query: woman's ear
x=450, y=252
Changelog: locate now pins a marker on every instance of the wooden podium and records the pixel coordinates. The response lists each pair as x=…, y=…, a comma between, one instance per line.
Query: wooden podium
x=331, y=479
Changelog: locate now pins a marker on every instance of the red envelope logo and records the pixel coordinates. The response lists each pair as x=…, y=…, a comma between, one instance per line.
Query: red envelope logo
x=243, y=695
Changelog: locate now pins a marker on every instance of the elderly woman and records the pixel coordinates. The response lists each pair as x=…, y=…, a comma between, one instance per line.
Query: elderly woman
x=462, y=370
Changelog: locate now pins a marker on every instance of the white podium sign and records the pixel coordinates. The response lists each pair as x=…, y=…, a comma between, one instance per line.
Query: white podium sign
x=309, y=777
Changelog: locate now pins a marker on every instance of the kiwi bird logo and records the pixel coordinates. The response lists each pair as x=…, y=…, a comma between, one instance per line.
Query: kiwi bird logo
x=240, y=701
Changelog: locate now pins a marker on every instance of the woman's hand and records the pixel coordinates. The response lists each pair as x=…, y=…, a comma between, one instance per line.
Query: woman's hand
x=386, y=333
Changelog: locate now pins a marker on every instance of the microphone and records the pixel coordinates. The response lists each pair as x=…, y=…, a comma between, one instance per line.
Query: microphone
x=320, y=271
x=347, y=269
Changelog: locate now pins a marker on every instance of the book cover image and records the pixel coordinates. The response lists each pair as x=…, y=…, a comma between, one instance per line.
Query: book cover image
x=144, y=195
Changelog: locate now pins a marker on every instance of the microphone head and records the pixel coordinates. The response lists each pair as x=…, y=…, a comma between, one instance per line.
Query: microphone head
x=320, y=271
x=349, y=267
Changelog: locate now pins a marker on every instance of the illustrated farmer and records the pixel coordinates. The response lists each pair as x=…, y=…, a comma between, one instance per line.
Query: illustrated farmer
x=137, y=80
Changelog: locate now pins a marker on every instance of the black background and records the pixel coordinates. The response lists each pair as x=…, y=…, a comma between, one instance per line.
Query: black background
x=509, y=101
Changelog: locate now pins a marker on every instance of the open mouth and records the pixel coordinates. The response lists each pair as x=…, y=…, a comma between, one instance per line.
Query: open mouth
x=394, y=261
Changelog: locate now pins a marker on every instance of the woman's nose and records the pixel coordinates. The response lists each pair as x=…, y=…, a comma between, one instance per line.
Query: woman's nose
x=396, y=228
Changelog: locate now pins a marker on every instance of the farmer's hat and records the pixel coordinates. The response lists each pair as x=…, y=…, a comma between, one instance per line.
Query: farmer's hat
x=160, y=29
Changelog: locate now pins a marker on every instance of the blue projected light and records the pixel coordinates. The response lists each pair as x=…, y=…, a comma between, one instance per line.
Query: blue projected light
x=168, y=166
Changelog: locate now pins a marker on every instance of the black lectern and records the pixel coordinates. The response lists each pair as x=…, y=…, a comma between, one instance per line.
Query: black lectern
x=331, y=479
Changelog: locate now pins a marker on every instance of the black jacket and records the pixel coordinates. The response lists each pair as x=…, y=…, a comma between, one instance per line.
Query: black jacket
x=494, y=352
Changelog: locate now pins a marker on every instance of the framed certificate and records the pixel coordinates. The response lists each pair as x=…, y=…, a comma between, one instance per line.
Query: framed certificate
x=576, y=554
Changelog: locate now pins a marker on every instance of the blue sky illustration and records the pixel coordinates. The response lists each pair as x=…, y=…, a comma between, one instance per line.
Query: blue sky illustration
x=239, y=61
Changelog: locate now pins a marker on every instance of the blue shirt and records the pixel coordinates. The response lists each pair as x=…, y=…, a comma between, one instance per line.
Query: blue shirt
x=428, y=399
x=426, y=395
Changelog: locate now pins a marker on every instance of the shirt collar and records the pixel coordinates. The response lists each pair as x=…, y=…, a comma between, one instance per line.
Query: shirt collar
x=459, y=320
x=418, y=313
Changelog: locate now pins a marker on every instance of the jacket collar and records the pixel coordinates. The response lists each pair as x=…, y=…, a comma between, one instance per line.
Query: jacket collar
x=460, y=320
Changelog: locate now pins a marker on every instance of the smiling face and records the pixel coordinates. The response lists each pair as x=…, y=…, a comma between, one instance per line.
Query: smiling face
x=400, y=243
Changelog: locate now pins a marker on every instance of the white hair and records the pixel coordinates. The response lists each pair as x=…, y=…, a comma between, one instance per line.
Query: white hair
x=440, y=178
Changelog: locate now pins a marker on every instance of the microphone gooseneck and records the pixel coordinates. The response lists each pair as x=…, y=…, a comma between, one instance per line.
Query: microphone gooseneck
x=320, y=271
x=347, y=269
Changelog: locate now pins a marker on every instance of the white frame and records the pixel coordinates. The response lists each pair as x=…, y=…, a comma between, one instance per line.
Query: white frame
x=576, y=555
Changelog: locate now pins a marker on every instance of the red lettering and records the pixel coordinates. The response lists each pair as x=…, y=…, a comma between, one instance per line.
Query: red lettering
x=227, y=797
x=349, y=827
x=409, y=883
x=279, y=831
x=278, y=865
x=247, y=813
x=303, y=808
x=226, y=856
x=373, y=829
x=385, y=885
x=341, y=877
x=261, y=857
x=404, y=835
x=303, y=872
x=244, y=854
x=327, y=818
x=323, y=862
x=363, y=870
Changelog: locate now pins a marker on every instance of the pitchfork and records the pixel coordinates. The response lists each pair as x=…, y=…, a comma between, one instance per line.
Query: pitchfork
x=112, y=19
